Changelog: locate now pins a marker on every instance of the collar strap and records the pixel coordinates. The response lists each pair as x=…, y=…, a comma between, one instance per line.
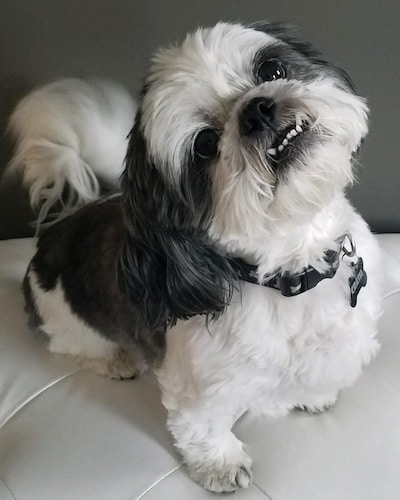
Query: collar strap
x=291, y=285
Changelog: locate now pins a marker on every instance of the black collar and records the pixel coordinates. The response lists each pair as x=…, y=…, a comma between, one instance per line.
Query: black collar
x=291, y=285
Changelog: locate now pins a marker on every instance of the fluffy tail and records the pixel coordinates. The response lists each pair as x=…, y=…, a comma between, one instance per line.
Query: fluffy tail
x=70, y=135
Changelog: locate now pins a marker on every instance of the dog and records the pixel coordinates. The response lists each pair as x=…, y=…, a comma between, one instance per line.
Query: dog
x=231, y=261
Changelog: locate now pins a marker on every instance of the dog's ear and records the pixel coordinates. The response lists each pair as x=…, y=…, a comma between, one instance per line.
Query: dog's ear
x=176, y=278
x=166, y=267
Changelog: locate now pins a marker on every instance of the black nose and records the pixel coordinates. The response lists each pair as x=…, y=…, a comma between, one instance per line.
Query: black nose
x=257, y=115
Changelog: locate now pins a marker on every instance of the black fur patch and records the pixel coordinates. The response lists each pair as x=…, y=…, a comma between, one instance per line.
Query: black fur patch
x=150, y=202
x=82, y=252
x=167, y=267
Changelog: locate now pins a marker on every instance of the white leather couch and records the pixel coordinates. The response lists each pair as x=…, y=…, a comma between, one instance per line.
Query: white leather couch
x=68, y=434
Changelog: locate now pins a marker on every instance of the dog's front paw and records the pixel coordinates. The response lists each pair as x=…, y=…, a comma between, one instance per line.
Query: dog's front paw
x=223, y=478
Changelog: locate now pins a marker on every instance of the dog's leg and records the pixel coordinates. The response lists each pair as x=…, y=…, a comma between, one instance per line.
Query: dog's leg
x=215, y=458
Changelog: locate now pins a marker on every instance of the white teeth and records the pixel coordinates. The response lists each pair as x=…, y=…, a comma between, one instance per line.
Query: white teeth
x=292, y=133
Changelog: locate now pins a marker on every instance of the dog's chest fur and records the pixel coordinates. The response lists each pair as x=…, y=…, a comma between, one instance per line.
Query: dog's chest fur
x=271, y=352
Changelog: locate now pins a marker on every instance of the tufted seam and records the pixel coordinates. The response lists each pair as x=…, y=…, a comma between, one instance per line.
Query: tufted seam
x=158, y=482
x=35, y=395
x=262, y=491
x=7, y=488
x=393, y=292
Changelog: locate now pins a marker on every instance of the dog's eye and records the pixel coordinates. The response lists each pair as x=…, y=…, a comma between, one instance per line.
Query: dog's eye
x=271, y=70
x=206, y=143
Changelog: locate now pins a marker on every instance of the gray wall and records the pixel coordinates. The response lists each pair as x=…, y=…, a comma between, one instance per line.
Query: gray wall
x=41, y=40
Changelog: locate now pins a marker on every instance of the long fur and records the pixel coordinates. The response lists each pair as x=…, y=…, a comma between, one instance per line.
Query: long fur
x=166, y=262
x=69, y=134
x=146, y=271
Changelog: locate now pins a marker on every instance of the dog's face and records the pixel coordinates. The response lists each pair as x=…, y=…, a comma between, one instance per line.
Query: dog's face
x=255, y=122
x=239, y=130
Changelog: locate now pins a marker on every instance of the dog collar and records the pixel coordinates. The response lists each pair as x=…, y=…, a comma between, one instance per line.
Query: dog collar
x=291, y=285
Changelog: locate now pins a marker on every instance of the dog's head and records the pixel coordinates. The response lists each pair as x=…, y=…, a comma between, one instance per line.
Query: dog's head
x=239, y=128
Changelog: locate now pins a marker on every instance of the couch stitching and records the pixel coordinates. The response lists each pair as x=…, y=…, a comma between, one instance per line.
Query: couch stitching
x=35, y=395
x=262, y=491
x=158, y=482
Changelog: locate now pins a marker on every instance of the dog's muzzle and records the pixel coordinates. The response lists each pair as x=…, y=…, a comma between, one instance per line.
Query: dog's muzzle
x=259, y=117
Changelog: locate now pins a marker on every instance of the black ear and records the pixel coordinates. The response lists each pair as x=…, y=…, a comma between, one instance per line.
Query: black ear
x=177, y=278
x=166, y=266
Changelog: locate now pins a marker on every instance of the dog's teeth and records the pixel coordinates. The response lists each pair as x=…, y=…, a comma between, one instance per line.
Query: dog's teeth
x=292, y=133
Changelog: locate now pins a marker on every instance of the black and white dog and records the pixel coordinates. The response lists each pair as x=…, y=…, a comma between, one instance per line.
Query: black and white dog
x=232, y=262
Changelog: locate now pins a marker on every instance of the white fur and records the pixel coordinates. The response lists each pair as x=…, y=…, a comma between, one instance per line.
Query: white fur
x=267, y=353
x=70, y=132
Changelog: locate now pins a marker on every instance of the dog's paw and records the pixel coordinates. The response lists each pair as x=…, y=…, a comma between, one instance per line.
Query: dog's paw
x=225, y=478
x=124, y=364
x=313, y=410
x=318, y=406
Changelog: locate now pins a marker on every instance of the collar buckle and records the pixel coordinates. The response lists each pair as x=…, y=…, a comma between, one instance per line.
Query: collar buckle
x=288, y=284
x=292, y=285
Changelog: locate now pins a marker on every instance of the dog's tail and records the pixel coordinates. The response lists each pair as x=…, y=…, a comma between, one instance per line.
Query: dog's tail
x=70, y=136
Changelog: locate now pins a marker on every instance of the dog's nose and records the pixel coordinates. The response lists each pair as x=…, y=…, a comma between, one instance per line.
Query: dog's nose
x=257, y=115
